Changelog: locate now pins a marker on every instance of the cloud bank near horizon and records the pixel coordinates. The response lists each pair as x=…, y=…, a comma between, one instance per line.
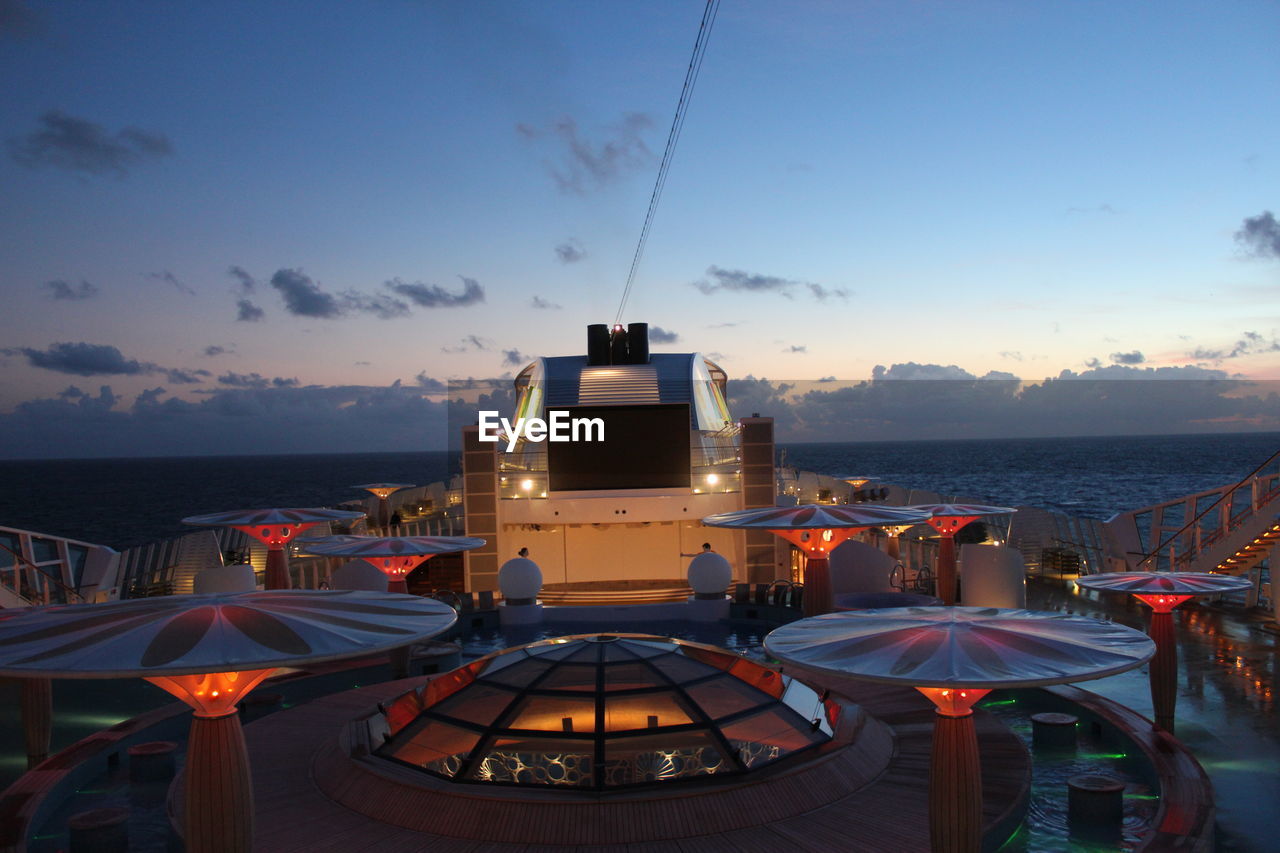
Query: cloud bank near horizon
x=250, y=413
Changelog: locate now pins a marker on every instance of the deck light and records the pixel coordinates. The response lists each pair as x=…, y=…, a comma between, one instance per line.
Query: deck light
x=273, y=527
x=1162, y=592
x=989, y=648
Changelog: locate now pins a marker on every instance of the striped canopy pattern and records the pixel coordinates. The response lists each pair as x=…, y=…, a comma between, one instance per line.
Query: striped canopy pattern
x=225, y=632
x=816, y=517
x=374, y=547
x=1164, y=583
x=961, y=510
x=372, y=486
x=961, y=647
x=255, y=517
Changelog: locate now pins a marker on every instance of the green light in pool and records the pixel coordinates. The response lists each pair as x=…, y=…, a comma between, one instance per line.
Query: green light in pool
x=995, y=702
x=1097, y=755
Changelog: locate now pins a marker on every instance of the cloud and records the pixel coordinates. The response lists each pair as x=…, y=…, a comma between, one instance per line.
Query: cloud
x=79, y=145
x=214, y=350
x=381, y=305
x=570, y=252
x=62, y=291
x=435, y=296
x=544, y=304
x=740, y=281
x=82, y=359
x=1012, y=355
x=796, y=348
x=426, y=383
x=254, y=380
x=247, y=312
x=514, y=358
x=245, y=283
x=911, y=370
x=1260, y=235
x=169, y=278
x=1092, y=363
x=470, y=342
x=659, y=335
x=1135, y=357
x=303, y=297
x=186, y=377
x=1250, y=343
x=583, y=164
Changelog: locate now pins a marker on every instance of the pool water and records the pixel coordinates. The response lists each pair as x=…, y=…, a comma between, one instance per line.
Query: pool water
x=1046, y=827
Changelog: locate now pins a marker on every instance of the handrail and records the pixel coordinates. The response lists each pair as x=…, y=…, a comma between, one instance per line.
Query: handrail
x=1221, y=497
x=71, y=593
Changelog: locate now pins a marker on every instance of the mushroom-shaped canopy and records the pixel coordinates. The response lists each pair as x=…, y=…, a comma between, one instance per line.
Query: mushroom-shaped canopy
x=960, y=647
x=185, y=634
x=383, y=490
x=256, y=517
x=948, y=518
x=815, y=517
x=378, y=547
x=1164, y=583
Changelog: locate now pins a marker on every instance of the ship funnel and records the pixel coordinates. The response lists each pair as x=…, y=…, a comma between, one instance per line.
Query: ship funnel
x=637, y=343
x=597, y=344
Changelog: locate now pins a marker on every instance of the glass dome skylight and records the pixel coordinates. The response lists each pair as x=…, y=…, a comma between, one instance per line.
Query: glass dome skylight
x=605, y=711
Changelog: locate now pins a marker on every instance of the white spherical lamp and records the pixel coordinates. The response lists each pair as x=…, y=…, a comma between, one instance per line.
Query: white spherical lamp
x=709, y=575
x=520, y=581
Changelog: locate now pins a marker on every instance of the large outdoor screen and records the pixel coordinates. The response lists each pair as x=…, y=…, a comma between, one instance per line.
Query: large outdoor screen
x=644, y=447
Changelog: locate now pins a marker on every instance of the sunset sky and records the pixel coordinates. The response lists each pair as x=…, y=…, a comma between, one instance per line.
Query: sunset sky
x=212, y=204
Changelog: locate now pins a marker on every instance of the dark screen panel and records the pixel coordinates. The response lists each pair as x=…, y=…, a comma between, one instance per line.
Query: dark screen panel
x=644, y=447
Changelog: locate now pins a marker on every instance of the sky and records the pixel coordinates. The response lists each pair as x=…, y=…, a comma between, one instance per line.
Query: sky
x=219, y=220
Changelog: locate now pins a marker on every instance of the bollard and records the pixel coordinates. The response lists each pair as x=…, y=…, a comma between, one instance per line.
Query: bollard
x=1095, y=805
x=99, y=831
x=1053, y=731
x=151, y=762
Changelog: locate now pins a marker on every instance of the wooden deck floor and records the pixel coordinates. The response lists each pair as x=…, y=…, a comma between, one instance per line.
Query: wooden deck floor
x=889, y=814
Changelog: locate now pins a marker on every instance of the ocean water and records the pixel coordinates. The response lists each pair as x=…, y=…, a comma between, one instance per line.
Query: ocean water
x=124, y=502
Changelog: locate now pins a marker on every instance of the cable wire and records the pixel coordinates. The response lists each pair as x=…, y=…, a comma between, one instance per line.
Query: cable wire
x=673, y=137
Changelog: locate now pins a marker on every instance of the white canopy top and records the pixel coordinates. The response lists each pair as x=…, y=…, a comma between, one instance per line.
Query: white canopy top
x=224, y=632
x=974, y=647
x=375, y=547
x=816, y=517
x=1164, y=583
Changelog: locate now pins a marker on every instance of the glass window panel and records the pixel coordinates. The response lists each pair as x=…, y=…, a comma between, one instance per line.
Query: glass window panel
x=649, y=648
x=10, y=543
x=630, y=676
x=554, y=651
x=619, y=651
x=77, y=555
x=520, y=675
x=449, y=683
x=759, y=677
x=571, y=677
x=804, y=700
x=726, y=695
x=480, y=705
x=554, y=714
x=43, y=550
x=768, y=736
x=644, y=711
x=586, y=653
x=681, y=669
x=538, y=761
x=435, y=746
x=655, y=758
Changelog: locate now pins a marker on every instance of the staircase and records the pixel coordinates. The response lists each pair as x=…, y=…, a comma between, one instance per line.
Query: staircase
x=1229, y=529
